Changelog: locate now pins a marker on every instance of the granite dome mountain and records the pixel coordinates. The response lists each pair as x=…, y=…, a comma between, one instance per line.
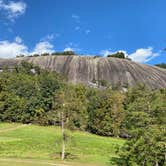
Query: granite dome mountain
x=88, y=69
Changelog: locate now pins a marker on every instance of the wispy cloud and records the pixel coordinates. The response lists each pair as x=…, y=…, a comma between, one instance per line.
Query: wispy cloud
x=72, y=47
x=48, y=37
x=87, y=31
x=77, y=28
x=11, y=10
x=18, y=39
x=76, y=17
x=80, y=25
x=57, y=35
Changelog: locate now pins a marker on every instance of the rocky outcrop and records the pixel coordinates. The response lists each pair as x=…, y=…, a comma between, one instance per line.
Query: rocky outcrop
x=86, y=69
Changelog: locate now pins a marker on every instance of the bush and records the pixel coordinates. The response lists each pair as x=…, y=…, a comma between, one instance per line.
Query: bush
x=161, y=65
x=120, y=55
x=45, y=54
x=64, y=53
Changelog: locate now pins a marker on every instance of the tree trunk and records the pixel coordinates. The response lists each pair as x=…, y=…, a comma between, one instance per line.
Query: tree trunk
x=165, y=151
x=63, y=136
x=143, y=163
x=157, y=164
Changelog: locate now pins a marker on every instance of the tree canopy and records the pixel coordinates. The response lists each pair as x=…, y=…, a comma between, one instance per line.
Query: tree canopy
x=120, y=55
x=162, y=65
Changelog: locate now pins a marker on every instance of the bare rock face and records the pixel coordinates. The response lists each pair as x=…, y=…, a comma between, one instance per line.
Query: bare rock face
x=85, y=69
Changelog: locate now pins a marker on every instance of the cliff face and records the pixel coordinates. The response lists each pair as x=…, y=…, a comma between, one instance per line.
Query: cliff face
x=86, y=69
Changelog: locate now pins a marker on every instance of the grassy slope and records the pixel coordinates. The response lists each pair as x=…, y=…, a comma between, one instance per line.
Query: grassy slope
x=36, y=142
x=8, y=125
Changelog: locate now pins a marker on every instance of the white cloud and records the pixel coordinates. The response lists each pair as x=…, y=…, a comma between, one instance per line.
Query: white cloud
x=109, y=52
x=11, y=10
x=80, y=25
x=72, y=47
x=18, y=39
x=68, y=49
x=43, y=47
x=48, y=37
x=77, y=28
x=87, y=31
x=11, y=49
x=105, y=52
x=76, y=17
x=143, y=55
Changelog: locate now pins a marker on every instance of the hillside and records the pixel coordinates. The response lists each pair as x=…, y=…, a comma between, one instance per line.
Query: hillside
x=32, y=145
x=89, y=70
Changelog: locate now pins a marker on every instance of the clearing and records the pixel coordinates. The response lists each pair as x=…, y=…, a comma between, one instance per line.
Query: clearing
x=32, y=145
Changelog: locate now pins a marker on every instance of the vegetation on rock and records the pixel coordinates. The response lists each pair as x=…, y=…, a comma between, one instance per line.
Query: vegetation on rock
x=117, y=55
x=66, y=53
x=162, y=65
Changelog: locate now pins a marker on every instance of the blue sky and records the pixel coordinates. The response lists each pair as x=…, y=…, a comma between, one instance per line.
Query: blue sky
x=97, y=27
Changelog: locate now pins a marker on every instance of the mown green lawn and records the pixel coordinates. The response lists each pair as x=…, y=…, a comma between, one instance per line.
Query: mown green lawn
x=13, y=162
x=8, y=125
x=44, y=143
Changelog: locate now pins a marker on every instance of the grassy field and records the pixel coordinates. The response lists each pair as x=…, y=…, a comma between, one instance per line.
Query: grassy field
x=31, y=145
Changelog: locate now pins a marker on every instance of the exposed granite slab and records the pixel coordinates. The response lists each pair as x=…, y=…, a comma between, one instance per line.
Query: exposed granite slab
x=84, y=69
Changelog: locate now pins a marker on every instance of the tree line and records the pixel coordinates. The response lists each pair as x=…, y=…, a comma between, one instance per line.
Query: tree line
x=161, y=65
x=64, y=53
x=29, y=94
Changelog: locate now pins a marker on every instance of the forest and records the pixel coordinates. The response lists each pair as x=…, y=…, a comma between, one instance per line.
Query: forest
x=29, y=94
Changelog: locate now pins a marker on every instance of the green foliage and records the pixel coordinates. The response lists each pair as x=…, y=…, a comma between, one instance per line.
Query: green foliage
x=45, y=54
x=145, y=123
x=106, y=112
x=73, y=101
x=18, y=56
x=120, y=55
x=97, y=56
x=23, y=92
x=64, y=53
x=101, y=83
x=31, y=95
x=162, y=65
x=35, y=55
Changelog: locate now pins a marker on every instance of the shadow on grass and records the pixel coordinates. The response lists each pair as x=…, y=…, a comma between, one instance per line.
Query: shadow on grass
x=116, y=161
x=67, y=156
